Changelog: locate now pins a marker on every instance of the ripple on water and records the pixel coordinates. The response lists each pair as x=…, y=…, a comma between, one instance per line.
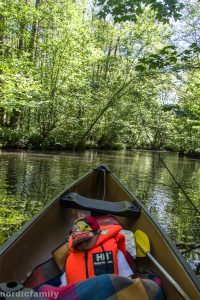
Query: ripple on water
x=29, y=180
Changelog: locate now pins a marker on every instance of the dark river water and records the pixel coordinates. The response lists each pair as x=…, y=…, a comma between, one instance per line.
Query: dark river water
x=29, y=180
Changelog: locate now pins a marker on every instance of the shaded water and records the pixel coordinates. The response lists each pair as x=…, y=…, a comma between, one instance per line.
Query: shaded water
x=29, y=180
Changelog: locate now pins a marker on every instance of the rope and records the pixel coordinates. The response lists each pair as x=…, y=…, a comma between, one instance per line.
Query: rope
x=161, y=159
x=104, y=184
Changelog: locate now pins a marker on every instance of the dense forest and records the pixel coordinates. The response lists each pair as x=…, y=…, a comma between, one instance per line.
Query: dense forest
x=100, y=74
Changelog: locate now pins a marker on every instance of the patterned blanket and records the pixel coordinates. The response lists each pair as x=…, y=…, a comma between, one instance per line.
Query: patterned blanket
x=110, y=287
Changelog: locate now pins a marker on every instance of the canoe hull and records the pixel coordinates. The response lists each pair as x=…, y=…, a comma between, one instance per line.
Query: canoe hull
x=34, y=243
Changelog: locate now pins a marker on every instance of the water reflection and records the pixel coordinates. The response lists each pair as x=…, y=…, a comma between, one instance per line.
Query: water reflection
x=29, y=180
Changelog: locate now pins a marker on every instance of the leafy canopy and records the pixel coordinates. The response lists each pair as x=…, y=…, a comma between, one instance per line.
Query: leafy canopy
x=129, y=10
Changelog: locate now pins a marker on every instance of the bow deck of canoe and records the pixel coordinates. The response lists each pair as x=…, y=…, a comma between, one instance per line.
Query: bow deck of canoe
x=98, y=192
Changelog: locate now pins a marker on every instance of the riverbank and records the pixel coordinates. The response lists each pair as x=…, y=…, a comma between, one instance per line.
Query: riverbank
x=60, y=149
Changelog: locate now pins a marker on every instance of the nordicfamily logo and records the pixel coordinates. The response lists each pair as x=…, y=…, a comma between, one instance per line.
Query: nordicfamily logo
x=29, y=294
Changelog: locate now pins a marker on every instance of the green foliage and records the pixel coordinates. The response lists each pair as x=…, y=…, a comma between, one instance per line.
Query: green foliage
x=68, y=77
x=186, y=135
x=128, y=10
x=11, y=219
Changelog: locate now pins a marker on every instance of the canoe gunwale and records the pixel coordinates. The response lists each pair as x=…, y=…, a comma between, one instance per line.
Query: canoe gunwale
x=10, y=242
x=178, y=255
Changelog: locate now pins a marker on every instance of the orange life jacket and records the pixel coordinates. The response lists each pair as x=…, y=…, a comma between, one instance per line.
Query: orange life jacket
x=100, y=259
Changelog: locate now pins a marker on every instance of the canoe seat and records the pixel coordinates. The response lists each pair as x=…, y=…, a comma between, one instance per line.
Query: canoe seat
x=123, y=208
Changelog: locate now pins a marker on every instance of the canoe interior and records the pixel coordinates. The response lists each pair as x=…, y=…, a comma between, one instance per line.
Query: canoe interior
x=38, y=238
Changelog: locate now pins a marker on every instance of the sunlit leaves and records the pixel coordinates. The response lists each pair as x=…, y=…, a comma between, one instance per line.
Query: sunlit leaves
x=11, y=219
x=128, y=10
x=62, y=66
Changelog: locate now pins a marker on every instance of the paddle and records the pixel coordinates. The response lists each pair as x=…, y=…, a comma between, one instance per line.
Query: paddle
x=143, y=249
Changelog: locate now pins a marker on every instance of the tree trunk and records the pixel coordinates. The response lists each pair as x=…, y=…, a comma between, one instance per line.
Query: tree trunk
x=14, y=120
x=34, y=30
x=2, y=111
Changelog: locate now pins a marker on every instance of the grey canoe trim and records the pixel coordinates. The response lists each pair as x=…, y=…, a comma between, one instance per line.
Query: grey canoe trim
x=28, y=224
x=34, y=219
x=184, y=263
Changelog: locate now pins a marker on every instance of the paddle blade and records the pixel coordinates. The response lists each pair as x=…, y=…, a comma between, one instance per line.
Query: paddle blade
x=142, y=243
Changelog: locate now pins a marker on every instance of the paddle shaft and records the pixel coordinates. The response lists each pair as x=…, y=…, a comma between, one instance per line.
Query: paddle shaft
x=173, y=282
